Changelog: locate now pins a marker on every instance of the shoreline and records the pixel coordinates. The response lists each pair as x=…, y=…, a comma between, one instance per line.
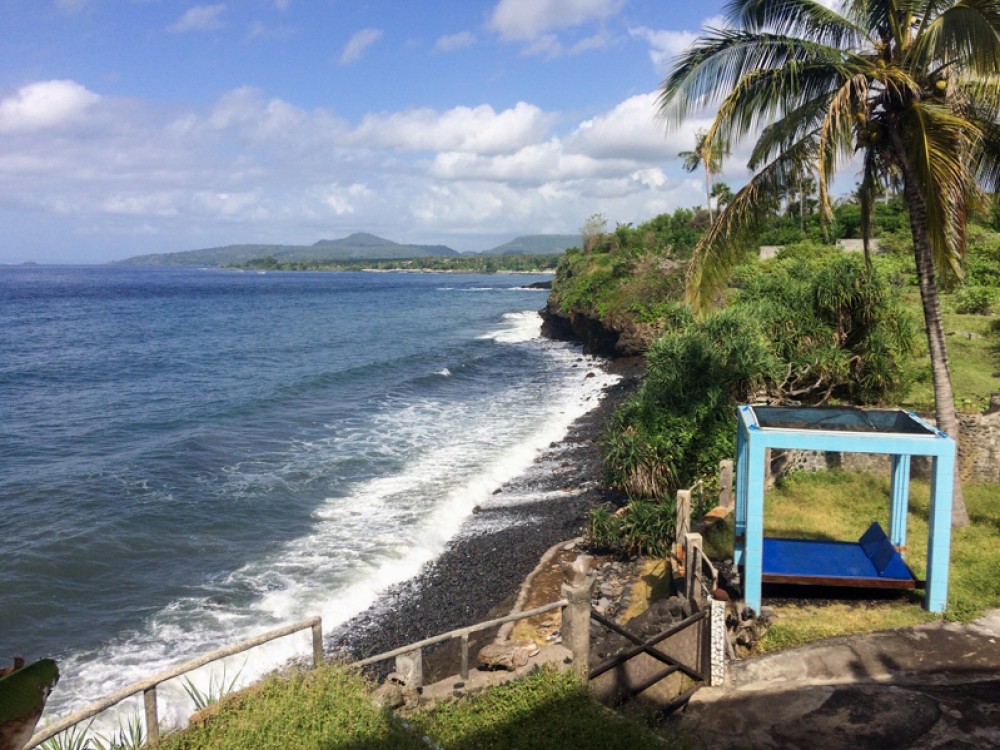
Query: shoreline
x=479, y=574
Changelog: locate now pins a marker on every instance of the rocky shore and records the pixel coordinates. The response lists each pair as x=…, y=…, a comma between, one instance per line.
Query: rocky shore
x=480, y=573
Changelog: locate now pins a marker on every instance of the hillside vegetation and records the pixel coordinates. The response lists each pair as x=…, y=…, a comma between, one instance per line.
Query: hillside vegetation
x=815, y=325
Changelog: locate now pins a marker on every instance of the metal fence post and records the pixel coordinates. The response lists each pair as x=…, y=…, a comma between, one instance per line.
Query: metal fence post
x=576, y=614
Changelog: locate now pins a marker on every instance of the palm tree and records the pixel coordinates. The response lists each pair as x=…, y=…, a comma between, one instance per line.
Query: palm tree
x=703, y=156
x=909, y=87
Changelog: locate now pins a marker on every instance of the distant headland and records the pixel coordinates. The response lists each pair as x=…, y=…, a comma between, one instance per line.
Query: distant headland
x=355, y=247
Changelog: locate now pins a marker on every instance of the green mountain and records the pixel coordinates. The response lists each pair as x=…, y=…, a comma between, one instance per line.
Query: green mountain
x=537, y=244
x=359, y=246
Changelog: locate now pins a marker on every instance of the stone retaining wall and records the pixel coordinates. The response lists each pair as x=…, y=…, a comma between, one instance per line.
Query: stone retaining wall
x=978, y=454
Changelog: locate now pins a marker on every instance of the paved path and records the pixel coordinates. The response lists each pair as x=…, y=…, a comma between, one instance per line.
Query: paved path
x=931, y=686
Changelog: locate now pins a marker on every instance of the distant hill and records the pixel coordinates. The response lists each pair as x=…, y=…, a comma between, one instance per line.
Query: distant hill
x=537, y=244
x=359, y=246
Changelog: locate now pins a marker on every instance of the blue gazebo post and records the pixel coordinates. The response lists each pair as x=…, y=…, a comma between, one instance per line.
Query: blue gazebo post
x=900, y=435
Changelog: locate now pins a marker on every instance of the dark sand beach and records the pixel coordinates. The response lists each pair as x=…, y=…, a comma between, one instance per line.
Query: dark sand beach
x=480, y=573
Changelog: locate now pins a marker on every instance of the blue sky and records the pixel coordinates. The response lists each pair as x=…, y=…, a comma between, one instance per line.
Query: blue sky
x=134, y=126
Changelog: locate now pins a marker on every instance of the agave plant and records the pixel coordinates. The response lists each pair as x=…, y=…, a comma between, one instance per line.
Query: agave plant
x=910, y=88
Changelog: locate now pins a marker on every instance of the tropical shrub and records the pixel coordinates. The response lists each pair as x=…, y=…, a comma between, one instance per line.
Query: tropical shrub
x=975, y=300
x=811, y=326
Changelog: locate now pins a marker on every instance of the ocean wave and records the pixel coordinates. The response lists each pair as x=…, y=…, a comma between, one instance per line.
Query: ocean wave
x=450, y=455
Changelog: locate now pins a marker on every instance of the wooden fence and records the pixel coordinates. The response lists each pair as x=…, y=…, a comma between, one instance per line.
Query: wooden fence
x=148, y=686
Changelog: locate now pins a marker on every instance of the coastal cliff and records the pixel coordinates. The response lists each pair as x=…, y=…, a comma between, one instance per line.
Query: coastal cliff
x=629, y=340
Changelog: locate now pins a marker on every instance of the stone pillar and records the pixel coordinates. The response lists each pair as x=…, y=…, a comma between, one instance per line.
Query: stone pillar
x=575, y=627
x=717, y=650
x=726, y=484
x=692, y=569
x=682, y=524
x=410, y=668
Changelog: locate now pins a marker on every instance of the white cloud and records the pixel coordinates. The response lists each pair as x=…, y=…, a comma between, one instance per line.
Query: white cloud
x=355, y=49
x=282, y=4
x=525, y=20
x=43, y=105
x=633, y=130
x=344, y=200
x=200, y=18
x=454, y=42
x=479, y=130
x=260, y=30
x=255, y=168
x=664, y=45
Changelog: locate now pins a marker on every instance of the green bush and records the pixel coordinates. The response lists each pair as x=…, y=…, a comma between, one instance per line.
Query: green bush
x=810, y=326
x=975, y=300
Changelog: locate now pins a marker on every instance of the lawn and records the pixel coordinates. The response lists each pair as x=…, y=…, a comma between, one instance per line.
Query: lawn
x=841, y=505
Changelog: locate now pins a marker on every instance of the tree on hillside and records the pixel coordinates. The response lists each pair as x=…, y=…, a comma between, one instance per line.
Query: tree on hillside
x=911, y=88
x=704, y=156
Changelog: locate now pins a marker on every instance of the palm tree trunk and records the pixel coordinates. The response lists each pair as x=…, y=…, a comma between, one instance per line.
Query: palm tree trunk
x=944, y=399
x=708, y=192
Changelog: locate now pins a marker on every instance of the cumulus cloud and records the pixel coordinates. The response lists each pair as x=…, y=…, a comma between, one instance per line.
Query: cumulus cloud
x=262, y=169
x=526, y=20
x=355, y=49
x=200, y=18
x=460, y=129
x=664, y=45
x=455, y=42
x=43, y=105
x=630, y=130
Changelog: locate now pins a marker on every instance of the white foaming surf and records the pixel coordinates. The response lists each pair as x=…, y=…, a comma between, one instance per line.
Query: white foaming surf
x=453, y=455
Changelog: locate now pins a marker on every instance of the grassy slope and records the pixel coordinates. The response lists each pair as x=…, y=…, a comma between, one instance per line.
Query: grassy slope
x=329, y=708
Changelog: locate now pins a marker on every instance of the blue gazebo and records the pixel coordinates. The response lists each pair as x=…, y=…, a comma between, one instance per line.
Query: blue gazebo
x=874, y=561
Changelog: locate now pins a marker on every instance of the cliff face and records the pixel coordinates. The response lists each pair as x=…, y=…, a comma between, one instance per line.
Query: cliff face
x=626, y=340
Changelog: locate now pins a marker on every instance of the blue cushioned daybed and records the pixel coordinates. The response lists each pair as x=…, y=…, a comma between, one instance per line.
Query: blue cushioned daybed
x=871, y=562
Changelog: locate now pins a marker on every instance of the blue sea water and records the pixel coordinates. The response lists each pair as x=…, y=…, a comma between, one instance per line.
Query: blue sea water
x=189, y=457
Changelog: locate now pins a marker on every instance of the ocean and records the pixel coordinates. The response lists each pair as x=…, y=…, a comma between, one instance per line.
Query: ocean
x=191, y=457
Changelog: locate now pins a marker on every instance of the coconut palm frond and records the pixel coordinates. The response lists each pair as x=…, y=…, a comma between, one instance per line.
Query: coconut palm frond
x=718, y=61
x=763, y=96
x=940, y=149
x=986, y=166
x=734, y=232
x=966, y=32
x=795, y=18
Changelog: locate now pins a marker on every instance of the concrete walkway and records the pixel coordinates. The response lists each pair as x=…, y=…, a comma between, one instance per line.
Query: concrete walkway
x=931, y=686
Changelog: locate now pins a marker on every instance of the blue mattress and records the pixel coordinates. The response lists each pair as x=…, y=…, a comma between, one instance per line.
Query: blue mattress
x=871, y=561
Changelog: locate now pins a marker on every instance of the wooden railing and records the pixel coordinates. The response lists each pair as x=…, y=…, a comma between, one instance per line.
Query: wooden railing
x=148, y=686
x=416, y=649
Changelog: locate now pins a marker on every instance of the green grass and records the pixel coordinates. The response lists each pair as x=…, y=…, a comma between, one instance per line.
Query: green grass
x=841, y=505
x=319, y=709
x=331, y=709
x=971, y=360
x=544, y=711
